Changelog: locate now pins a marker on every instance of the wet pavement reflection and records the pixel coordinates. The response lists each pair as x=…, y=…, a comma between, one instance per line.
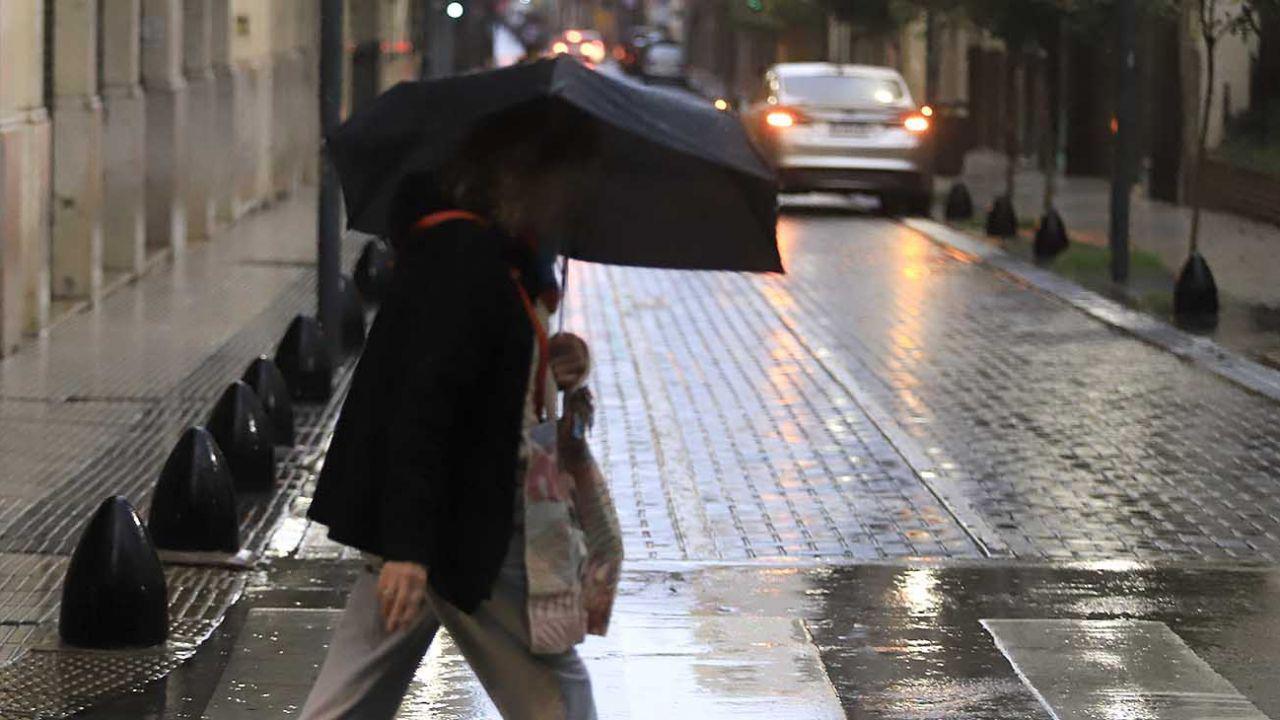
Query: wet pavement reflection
x=1066, y=438
x=858, y=641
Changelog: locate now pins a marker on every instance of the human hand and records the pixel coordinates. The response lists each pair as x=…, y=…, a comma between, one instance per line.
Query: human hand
x=570, y=360
x=402, y=592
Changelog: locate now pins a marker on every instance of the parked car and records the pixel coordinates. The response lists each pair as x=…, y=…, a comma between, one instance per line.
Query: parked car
x=586, y=45
x=845, y=128
x=663, y=62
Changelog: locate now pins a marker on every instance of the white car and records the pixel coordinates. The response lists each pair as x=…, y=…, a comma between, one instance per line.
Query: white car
x=845, y=128
x=663, y=61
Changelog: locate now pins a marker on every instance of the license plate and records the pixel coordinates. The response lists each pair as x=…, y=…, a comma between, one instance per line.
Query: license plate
x=852, y=129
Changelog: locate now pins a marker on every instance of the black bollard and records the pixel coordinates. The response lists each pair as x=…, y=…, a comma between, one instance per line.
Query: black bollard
x=114, y=593
x=243, y=431
x=264, y=377
x=352, y=316
x=304, y=361
x=959, y=203
x=373, y=271
x=1196, y=294
x=1002, y=221
x=194, y=505
x=1051, y=236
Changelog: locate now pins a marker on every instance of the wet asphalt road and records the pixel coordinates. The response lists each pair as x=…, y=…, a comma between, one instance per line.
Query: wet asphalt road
x=1073, y=473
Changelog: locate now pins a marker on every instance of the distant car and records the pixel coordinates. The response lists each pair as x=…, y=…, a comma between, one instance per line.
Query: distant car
x=632, y=48
x=663, y=62
x=846, y=128
x=586, y=45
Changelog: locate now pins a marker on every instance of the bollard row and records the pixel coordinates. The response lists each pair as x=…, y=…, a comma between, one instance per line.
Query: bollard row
x=1002, y=221
x=114, y=593
x=959, y=203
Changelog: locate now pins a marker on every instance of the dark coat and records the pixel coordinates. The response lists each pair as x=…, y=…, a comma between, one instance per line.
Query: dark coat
x=422, y=466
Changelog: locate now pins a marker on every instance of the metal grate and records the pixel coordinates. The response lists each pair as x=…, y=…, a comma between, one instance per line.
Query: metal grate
x=52, y=681
x=125, y=441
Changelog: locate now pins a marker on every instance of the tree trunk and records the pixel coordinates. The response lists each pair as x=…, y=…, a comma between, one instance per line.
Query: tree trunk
x=1054, y=101
x=1210, y=46
x=1011, y=111
x=932, y=69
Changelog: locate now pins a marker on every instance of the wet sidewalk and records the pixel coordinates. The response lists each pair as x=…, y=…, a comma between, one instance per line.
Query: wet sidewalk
x=1244, y=254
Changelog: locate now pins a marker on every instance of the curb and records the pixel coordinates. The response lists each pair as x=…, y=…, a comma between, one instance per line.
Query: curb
x=1203, y=352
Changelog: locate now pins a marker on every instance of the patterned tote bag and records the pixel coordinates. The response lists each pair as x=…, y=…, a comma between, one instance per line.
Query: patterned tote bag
x=555, y=551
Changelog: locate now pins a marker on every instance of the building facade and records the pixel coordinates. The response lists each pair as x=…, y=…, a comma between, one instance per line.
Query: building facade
x=129, y=128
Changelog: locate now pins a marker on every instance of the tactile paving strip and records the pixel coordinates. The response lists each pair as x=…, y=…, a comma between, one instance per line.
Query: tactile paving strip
x=41, y=679
x=51, y=681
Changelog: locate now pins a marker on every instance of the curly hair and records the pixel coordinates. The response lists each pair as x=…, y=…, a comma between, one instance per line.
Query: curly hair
x=513, y=148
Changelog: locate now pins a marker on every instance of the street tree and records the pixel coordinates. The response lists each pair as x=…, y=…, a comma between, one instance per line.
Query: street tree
x=1020, y=25
x=1217, y=19
x=1196, y=293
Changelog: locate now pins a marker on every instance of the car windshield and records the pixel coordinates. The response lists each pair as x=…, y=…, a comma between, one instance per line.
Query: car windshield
x=843, y=90
x=666, y=52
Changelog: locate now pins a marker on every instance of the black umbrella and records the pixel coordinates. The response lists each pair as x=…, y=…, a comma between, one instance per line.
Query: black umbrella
x=679, y=184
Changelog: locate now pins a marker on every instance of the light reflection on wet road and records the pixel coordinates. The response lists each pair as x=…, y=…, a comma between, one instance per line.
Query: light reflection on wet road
x=1069, y=439
x=903, y=642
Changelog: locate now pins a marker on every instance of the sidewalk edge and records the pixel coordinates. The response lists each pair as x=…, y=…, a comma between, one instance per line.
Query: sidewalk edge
x=1207, y=354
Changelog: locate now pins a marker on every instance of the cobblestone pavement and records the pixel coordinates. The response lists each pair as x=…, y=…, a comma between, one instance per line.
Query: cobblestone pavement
x=1241, y=251
x=1067, y=438
x=726, y=439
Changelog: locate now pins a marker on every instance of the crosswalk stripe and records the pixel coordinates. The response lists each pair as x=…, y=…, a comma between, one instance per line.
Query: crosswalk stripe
x=1089, y=669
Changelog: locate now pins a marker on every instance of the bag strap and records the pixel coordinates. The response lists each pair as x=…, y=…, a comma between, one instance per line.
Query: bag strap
x=544, y=346
x=443, y=216
x=544, y=343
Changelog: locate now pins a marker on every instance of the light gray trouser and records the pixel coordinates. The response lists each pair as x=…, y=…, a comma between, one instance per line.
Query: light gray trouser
x=367, y=671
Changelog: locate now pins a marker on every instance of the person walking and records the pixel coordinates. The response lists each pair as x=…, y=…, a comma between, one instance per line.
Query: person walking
x=424, y=471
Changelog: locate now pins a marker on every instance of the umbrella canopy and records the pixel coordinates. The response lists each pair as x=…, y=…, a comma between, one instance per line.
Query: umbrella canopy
x=678, y=184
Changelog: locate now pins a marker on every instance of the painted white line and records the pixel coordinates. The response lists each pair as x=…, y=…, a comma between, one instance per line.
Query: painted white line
x=665, y=666
x=1090, y=669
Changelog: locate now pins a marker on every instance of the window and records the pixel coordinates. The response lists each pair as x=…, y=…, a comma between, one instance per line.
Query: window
x=844, y=90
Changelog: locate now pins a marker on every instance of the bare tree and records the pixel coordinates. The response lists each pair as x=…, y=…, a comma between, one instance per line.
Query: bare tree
x=1216, y=19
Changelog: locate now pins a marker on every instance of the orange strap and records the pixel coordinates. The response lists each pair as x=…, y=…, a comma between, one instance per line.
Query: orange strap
x=443, y=216
x=544, y=346
x=544, y=343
